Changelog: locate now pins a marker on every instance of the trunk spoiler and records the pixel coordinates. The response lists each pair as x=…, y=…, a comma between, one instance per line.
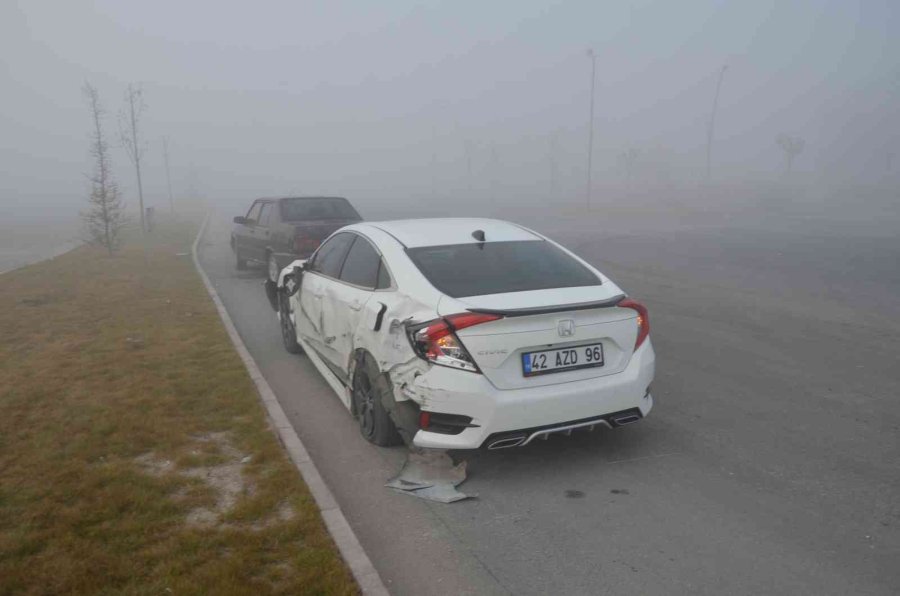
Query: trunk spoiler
x=543, y=310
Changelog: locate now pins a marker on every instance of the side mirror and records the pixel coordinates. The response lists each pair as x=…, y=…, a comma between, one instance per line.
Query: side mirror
x=240, y=219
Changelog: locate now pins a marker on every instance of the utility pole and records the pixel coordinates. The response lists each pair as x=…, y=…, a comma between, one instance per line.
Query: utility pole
x=468, y=146
x=553, y=148
x=168, y=175
x=134, y=109
x=495, y=164
x=433, y=163
x=590, y=156
x=712, y=123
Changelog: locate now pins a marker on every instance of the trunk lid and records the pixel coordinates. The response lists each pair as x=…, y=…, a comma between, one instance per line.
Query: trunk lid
x=533, y=321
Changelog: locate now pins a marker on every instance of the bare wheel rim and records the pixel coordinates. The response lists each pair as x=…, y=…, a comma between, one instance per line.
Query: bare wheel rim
x=365, y=404
x=273, y=268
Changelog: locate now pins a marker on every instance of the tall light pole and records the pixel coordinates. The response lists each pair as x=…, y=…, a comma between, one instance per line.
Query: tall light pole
x=168, y=176
x=433, y=162
x=552, y=156
x=590, y=158
x=712, y=122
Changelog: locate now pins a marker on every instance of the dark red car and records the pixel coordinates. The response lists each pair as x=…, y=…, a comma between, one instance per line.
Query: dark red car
x=276, y=231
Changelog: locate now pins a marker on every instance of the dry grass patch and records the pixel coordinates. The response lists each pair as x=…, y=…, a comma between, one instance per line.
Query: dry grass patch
x=134, y=454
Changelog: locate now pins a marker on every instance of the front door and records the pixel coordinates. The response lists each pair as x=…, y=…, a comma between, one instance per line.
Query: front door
x=323, y=269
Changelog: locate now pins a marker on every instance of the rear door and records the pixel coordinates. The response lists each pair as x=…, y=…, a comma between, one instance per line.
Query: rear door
x=345, y=306
x=244, y=239
x=261, y=232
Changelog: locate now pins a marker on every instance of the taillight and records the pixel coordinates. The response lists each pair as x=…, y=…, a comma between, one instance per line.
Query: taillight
x=305, y=245
x=435, y=341
x=643, y=319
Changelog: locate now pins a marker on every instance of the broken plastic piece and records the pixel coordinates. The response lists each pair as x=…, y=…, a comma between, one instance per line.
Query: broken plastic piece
x=431, y=475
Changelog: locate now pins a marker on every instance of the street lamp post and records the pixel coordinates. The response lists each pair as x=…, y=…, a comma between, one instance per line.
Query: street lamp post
x=712, y=122
x=168, y=176
x=590, y=156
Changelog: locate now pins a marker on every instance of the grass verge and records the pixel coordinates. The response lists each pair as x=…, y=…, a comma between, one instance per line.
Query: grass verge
x=135, y=456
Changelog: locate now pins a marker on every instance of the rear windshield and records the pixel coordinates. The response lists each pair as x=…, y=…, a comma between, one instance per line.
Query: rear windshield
x=317, y=209
x=461, y=270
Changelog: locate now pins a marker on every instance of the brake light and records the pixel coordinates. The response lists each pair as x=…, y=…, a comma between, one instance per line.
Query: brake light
x=305, y=245
x=436, y=341
x=643, y=319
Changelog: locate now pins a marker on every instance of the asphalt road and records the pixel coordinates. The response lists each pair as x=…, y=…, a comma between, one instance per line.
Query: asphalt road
x=770, y=464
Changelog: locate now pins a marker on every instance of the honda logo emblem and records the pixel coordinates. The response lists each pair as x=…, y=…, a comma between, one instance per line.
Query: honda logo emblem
x=566, y=328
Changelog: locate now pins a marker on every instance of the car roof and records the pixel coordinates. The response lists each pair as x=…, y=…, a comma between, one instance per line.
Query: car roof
x=413, y=233
x=299, y=198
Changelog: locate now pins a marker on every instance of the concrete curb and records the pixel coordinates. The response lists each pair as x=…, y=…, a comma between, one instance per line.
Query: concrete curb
x=348, y=544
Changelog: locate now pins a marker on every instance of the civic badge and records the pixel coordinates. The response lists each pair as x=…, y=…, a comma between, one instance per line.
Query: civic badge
x=566, y=328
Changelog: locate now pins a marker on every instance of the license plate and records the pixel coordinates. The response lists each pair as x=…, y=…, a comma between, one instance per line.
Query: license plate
x=562, y=359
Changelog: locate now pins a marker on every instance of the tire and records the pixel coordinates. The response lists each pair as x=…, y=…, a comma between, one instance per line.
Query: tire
x=369, y=387
x=272, y=268
x=239, y=262
x=288, y=330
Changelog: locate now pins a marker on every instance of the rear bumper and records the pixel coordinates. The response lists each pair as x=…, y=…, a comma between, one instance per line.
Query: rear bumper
x=497, y=413
x=283, y=259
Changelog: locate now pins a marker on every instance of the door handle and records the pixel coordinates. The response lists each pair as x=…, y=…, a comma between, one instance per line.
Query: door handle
x=356, y=305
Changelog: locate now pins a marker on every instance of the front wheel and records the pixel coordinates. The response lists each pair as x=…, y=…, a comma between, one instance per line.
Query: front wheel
x=375, y=424
x=240, y=262
x=288, y=330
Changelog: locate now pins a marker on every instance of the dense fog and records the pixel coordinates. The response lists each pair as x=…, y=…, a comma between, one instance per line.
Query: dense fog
x=458, y=105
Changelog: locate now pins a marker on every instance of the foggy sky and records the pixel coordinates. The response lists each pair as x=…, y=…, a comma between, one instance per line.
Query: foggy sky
x=380, y=99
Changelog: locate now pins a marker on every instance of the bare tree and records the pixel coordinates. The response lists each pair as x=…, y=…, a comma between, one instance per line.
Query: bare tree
x=168, y=175
x=129, y=130
x=792, y=147
x=104, y=218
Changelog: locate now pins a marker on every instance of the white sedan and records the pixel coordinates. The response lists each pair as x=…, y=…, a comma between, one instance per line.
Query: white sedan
x=466, y=333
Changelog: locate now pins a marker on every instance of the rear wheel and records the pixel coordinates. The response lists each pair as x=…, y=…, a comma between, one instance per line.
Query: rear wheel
x=369, y=387
x=288, y=331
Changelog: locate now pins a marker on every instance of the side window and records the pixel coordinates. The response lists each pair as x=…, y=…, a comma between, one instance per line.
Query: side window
x=264, y=214
x=330, y=256
x=384, y=278
x=254, y=212
x=362, y=264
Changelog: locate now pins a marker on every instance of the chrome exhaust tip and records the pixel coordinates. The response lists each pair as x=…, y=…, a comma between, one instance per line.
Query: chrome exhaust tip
x=507, y=442
x=626, y=419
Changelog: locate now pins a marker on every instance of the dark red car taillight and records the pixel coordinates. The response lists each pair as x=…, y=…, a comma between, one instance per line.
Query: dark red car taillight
x=643, y=319
x=305, y=245
x=436, y=340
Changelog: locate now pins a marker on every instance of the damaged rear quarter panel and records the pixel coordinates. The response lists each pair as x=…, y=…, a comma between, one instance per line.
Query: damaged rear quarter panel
x=389, y=344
